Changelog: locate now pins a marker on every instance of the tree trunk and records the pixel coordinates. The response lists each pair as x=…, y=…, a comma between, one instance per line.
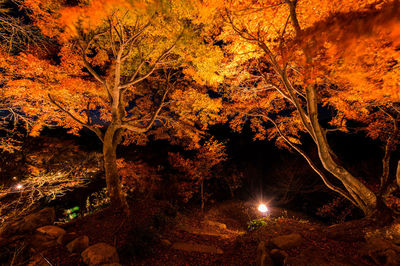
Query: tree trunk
x=365, y=198
x=114, y=188
x=361, y=196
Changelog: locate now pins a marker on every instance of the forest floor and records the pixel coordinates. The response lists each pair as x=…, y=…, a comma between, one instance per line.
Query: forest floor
x=156, y=235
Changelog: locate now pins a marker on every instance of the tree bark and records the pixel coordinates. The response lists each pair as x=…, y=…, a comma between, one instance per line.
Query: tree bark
x=365, y=198
x=114, y=188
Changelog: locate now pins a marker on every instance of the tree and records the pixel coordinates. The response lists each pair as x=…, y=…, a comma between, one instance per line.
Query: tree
x=199, y=167
x=120, y=63
x=297, y=61
x=16, y=35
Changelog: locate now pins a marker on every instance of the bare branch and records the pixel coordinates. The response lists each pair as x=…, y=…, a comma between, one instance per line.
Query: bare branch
x=241, y=32
x=95, y=130
x=161, y=57
x=132, y=40
x=143, y=129
x=112, y=41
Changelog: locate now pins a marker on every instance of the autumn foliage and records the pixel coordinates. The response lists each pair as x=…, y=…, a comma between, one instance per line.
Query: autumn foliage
x=295, y=69
x=198, y=168
x=119, y=69
x=291, y=59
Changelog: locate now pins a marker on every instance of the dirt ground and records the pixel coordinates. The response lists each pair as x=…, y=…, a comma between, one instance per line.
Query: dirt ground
x=148, y=237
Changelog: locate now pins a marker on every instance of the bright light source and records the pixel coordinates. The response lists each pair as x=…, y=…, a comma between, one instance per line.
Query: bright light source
x=19, y=186
x=262, y=208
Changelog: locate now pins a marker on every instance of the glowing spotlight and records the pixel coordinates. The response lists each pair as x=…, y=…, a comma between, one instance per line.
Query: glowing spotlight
x=19, y=186
x=262, y=208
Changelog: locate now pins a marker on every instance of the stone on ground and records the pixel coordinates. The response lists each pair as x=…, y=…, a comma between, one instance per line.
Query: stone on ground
x=219, y=225
x=51, y=231
x=190, y=247
x=100, y=253
x=78, y=245
x=287, y=241
x=46, y=236
x=66, y=238
x=39, y=241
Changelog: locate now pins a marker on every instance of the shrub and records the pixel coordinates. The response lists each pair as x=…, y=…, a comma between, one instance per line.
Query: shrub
x=337, y=210
x=97, y=200
x=255, y=224
x=27, y=194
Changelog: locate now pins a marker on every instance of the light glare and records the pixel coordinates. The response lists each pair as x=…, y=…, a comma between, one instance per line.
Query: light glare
x=262, y=208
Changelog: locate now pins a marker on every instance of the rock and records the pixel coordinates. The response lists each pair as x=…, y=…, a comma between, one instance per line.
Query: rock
x=287, y=241
x=46, y=236
x=215, y=224
x=100, y=253
x=165, y=242
x=78, y=245
x=40, y=241
x=66, y=238
x=263, y=258
x=204, y=232
x=196, y=248
x=44, y=217
x=51, y=231
x=381, y=251
x=29, y=223
x=278, y=256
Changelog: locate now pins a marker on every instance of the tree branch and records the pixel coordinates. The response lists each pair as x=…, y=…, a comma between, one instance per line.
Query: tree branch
x=143, y=129
x=95, y=130
x=134, y=81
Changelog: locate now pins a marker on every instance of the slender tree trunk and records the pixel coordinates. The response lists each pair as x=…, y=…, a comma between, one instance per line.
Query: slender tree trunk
x=114, y=188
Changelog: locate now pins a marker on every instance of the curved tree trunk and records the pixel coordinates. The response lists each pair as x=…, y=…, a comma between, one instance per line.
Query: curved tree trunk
x=114, y=188
x=365, y=198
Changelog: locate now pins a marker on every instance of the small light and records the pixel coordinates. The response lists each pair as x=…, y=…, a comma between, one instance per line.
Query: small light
x=15, y=178
x=262, y=208
x=19, y=186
